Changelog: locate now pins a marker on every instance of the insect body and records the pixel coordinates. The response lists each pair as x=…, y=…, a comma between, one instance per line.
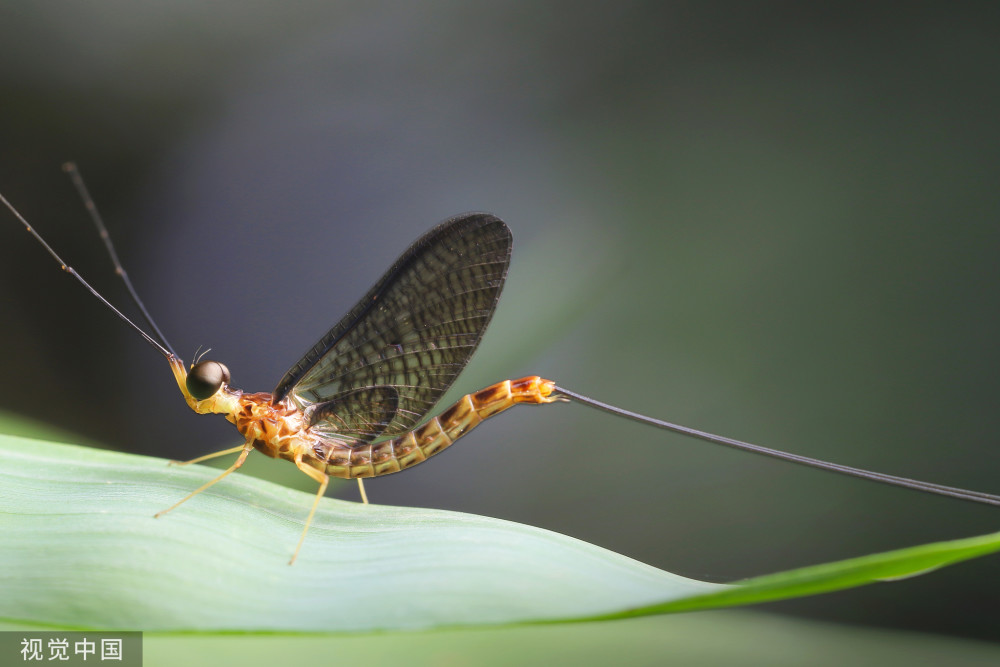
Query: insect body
x=280, y=430
x=354, y=404
x=350, y=407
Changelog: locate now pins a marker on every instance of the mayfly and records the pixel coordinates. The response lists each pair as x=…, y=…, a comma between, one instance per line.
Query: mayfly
x=354, y=405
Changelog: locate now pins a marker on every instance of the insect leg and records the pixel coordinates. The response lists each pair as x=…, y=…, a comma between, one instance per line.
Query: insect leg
x=361, y=488
x=247, y=448
x=323, y=481
x=206, y=457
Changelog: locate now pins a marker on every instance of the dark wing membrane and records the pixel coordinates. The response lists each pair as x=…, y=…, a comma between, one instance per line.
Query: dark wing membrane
x=360, y=414
x=416, y=328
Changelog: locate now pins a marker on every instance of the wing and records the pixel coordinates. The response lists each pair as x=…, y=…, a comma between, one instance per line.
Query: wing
x=363, y=414
x=411, y=334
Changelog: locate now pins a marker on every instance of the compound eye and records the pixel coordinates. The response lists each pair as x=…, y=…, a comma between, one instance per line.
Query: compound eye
x=205, y=378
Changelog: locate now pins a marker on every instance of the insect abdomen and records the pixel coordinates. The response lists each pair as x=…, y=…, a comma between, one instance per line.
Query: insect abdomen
x=425, y=441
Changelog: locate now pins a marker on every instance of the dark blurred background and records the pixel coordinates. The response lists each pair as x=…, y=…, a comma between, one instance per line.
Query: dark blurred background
x=774, y=221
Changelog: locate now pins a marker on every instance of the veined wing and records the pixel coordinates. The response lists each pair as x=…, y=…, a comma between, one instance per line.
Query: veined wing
x=361, y=414
x=402, y=346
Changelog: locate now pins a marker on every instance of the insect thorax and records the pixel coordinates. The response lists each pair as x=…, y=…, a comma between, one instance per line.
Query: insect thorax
x=278, y=430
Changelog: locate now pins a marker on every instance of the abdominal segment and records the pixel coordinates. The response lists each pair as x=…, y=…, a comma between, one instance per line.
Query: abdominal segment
x=371, y=460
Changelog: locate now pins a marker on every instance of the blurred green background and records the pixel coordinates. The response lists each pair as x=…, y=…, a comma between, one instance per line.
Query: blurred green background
x=773, y=221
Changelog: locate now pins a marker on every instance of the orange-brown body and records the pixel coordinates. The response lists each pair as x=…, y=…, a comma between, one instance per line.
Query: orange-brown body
x=280, y=430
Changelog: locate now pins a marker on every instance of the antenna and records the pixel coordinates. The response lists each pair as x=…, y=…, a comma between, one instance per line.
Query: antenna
x=71, y=271
x=892, y=480
x=88, y=202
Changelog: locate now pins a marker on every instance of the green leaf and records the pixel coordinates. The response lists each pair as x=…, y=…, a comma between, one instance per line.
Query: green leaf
x=81, y=549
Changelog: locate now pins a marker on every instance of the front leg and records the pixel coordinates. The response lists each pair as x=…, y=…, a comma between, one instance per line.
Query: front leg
x=206, y=457
x=247, y=448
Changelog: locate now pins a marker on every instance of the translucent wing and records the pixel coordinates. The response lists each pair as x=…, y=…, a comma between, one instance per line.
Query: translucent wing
x=412, y=333
x=363, y=414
